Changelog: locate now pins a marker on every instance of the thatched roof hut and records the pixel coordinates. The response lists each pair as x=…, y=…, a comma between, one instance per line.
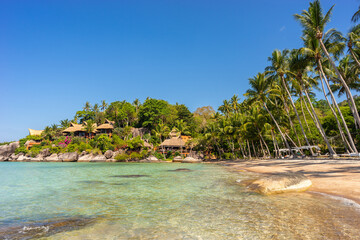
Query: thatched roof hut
x=105, y=126
x=173, y=142
x=74, y=128
x=33, y=132
x=147, y=145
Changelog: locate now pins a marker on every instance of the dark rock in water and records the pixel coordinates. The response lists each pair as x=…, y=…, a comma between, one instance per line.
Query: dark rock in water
x=279, y=183
x=130, y=176
x=43, y=229
x=91, y=182
x=181, y=170
x=119, y=184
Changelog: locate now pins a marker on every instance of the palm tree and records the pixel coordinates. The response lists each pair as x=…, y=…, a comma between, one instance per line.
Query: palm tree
x=279, y=67
x=161, y=130
x=312, y=50
x=182, y=127
x=259, y=92
x=96, y=108
x=90, y=127
x=313, y=22
x=104, y=105
x=87, y=106
x=353, y=40
x=65, y=123
x=225, y=108
x=356, y=16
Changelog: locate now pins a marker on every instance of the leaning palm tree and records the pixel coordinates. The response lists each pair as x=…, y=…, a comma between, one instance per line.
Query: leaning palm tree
x=356, y=16
x=259, y=93
x=314, y=21
x=312, y=50
x=278, y=69
x=353, y=40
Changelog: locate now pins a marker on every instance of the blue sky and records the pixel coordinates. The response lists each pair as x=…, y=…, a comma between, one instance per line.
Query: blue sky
x=56, y=55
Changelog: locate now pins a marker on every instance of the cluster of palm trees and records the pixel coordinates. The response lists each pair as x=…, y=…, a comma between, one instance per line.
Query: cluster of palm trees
x=279, y=102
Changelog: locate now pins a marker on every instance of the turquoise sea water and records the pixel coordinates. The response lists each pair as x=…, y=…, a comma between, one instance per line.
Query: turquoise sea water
x=205, y=203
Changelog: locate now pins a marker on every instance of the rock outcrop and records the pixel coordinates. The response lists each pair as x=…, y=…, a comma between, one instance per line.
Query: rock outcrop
x=109, y=154
x=279, y=183
x=69, y=157
x=86, y=158
x=191, y=160
x=98, y=158
x=53, y=158
x=7, y=150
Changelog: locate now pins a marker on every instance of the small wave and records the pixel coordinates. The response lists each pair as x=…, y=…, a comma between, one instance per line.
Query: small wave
x=343, y=200
x=26, y=229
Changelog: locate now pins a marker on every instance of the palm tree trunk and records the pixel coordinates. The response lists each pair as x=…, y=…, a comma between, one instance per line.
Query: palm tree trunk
x=248, y=145
x=278, y=127
x=266, y=146
x=255, y=152
x=290, y=121
x=276, y=155
x=242, y=150
x=346, y=87
x=354, y=57
x=322, y=132
x=351, y=146
x=297, y=115
x=262, y=148
x=303, y=113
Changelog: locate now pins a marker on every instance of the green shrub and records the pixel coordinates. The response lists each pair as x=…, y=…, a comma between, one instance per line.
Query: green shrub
x=55, y=150
x=176, y=154
x=21, y=149
x=158, y=155
x=122, y=157
x=5, y=143
x=84, y=146
x=169, y=154
x=72, y=147
x=135, y=143
x=104, y=143
x=96, y=151
x=144, y=154
x=135, y=156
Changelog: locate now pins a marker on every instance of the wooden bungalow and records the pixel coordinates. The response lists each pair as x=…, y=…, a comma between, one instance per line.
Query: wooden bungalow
x=79, y=130
x=106, y=128
x=174, y=143
x=33, y=132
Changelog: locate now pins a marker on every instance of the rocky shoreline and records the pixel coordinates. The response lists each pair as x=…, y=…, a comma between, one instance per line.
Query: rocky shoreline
x=7, y=154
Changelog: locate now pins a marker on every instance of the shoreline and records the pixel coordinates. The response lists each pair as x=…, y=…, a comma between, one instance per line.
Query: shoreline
x=339, y=178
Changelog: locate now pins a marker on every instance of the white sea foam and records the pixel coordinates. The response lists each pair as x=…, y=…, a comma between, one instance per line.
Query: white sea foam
x=343, y=200
x=39, y=228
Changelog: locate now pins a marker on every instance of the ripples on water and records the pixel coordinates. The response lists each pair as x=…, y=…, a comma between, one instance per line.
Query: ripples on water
x=148, y=201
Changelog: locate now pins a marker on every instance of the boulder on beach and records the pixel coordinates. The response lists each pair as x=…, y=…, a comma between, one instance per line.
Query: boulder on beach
x=8, y=149
x=38, y=158
x=109, y=154
x=69, y=157
x=23, y=158
x=177, y=159
x=191, y=160
x=86, y=158
x=45, y=152
x=152, y=159
x=53, y=158
x=98, y=158
x=279, y=183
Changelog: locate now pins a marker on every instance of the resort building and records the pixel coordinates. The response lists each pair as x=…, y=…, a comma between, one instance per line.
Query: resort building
x=79, y=130
x=106, y=128
x=31, y=143
x=175, y=143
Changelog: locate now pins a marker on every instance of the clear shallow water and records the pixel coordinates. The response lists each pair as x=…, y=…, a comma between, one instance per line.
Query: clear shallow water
x=205, y=203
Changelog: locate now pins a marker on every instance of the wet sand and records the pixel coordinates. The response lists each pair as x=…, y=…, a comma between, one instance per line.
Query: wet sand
x=335, y=177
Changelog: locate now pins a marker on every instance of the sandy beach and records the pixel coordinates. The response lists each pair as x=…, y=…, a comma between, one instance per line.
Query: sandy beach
x=335, y=177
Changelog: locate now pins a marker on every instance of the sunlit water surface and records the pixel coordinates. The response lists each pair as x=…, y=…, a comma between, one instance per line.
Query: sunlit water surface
x=205, y=203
